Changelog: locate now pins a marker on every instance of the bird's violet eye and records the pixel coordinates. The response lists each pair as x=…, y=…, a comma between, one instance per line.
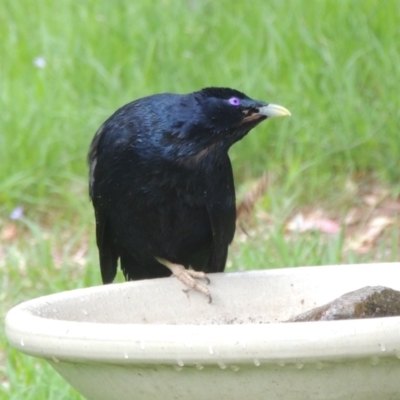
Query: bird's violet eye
x=234, y=101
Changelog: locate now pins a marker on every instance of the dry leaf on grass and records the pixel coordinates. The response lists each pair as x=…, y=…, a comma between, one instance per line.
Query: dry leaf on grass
x=354, y=216
x=366, y=239
x=376, y=197
x=312, y=222
x=9, y=232
x=246, y=206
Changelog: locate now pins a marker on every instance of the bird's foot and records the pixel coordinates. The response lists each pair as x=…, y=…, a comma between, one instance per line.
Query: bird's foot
x=188, y=277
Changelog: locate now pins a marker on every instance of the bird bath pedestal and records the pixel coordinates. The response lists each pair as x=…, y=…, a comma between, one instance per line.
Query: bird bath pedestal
x=149, y=340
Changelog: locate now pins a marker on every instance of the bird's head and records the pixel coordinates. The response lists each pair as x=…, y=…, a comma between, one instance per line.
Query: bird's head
x=224, y=116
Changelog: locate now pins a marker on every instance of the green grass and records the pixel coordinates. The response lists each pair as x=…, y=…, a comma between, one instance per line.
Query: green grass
x=334, y=64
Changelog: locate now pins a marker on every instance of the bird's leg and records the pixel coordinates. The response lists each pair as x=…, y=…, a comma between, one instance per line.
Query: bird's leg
x=188, y=277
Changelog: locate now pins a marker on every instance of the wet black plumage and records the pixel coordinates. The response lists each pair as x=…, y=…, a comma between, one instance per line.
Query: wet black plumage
x=161, y=180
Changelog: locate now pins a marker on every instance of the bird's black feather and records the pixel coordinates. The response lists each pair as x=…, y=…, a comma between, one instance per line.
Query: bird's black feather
x=161, y=182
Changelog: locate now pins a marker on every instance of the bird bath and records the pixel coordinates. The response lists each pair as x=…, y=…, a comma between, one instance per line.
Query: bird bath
x=149, y=340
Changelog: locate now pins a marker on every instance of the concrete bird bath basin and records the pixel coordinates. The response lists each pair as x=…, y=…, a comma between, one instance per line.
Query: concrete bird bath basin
x=149, y=340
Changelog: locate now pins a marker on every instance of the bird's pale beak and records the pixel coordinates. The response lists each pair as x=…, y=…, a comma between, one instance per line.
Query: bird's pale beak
x=273, y=110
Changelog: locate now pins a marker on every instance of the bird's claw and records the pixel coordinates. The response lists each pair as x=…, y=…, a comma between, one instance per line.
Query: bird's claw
x=188, y=277
x=198, y=275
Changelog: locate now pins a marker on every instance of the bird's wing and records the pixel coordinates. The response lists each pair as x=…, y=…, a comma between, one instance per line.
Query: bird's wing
x=222, y=214
x=92, y=158
x=108, y=253
x=220, y=242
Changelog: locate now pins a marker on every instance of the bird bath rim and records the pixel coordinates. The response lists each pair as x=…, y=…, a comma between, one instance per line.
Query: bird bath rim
x=192, y=344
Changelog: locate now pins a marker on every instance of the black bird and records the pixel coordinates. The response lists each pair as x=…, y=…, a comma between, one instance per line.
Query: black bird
x=161, y=183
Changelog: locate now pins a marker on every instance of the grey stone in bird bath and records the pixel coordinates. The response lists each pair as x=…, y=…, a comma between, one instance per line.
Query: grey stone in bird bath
x=149, y=340
x=367, y=302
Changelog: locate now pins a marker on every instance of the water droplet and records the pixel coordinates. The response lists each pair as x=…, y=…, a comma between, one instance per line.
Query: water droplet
x=126, y=355
x=222, y=365
x=244, y=344
x=235, y=368
x=199, y=367
x=177, y=368
x=374, y=360
x=319, y=365
x=55, y=359
x=142, y=345
x=211, y=350
x=398, y=354
x=84, y=312
x=281, y=364
x=256, y=362
x=299, y=365
x=383, y=347
x=22, y=342
x=180, y=363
